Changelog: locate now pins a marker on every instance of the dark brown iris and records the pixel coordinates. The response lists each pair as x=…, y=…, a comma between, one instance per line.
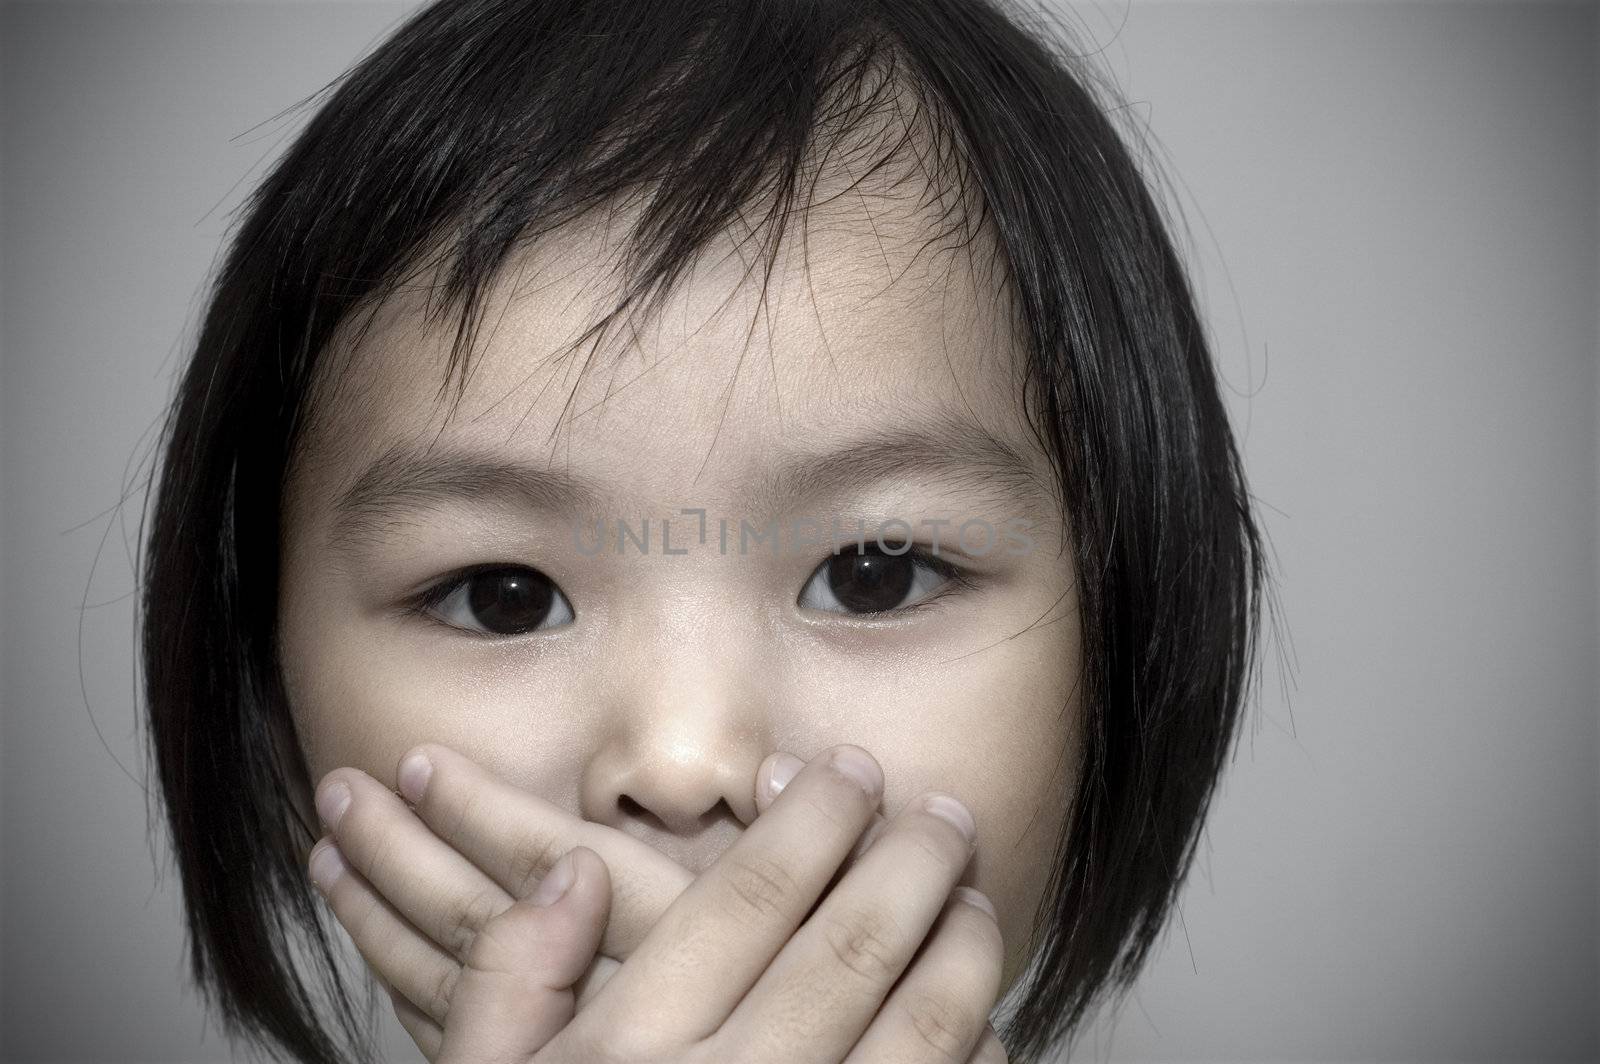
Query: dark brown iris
x=870, y=582
x=510, y=601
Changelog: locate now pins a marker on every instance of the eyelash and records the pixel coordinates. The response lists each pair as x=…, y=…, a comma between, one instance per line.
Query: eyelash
x=957, y=580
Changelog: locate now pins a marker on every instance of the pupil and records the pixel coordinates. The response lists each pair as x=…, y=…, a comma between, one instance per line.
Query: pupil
x=510, y=601
x=870, y=583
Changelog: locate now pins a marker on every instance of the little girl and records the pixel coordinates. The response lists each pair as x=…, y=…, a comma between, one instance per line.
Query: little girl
x=818, y=606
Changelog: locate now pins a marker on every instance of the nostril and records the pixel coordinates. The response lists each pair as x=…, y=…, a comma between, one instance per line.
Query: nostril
x=632, y=810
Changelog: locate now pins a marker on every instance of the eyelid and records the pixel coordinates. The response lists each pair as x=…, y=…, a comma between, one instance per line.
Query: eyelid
x=933, y=559
x=446, y=586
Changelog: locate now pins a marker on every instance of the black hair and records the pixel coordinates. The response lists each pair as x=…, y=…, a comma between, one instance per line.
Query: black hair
x=478, y=126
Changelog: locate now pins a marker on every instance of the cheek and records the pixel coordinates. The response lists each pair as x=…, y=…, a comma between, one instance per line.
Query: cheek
x=1005, y=738
x=345, y=700
x=357, y=702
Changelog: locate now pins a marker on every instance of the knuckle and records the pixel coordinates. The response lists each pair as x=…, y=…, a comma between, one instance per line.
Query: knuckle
x=863, y=941
x=466, y=916
x=532, y=857
x=952, y=841
x=875, y=830
x=361, y=913
x=829, y=807
x=940, y=842
x=506, y=941
x=441, y=991
x=978, y=929
x=758, y=886
x=460, y=811
x=383, y=852
x=941, y=1022
x=989, y=942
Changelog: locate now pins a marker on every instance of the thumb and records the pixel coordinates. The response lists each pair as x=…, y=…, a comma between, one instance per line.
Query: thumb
x=515, y=992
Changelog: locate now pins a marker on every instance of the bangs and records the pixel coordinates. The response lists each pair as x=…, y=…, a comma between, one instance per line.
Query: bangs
x=687, y=131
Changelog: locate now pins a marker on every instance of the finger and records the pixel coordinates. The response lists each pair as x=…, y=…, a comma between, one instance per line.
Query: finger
x=514, y=837
x=990, y=1049
x=865, y=933
x=775, y=773
x=401, y=955
x=440, y=892
x=939, y=1010
x=516, y=991
x=423, y=1031
x=598, y=975
x=753, y=897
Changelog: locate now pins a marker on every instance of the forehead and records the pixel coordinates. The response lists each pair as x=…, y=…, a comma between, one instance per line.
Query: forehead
x=871, y=318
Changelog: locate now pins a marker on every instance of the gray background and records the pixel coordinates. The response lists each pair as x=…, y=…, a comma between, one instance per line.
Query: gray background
x=1394, y=213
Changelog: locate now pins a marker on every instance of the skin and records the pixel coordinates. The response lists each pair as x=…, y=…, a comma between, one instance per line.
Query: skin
x=650, y=712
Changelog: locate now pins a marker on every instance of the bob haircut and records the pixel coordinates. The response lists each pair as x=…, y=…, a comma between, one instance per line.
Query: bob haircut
x=479, y=125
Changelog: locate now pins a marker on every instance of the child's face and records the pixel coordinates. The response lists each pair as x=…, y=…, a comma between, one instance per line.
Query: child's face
x=652, y=684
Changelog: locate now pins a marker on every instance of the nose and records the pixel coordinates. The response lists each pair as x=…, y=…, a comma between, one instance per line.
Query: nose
x=686, y=726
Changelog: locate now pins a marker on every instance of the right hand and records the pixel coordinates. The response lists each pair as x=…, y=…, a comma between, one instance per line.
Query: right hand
x=731, y=922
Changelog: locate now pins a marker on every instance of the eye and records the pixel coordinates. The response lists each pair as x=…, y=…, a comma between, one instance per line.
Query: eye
x=869, y=580
x=499, y=600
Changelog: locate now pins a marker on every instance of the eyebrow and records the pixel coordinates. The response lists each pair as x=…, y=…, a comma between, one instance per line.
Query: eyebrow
x=948, y=450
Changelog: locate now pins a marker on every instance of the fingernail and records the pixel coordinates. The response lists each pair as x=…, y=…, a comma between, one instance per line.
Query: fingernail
x=855, y=765
x=780, y=772
x=978, y=899
x=332, y=801
x=414, y=773
x=554, y=885
x=327, y=864
x=952, y=811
